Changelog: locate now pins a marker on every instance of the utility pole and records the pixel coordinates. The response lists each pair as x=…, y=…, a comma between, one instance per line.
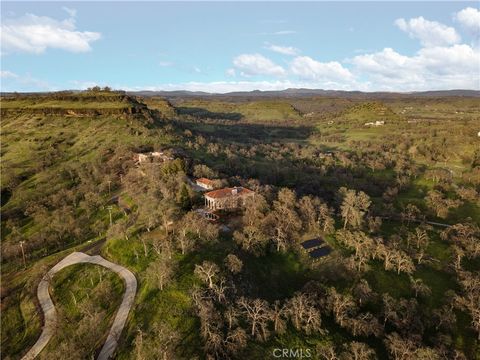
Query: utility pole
x=23, y=253
x=110, y=214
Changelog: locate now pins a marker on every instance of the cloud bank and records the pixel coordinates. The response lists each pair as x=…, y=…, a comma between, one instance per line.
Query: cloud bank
x=35, y=34
x=256, y=64
x=469, y=18
x=430, y=33
x=443, y=62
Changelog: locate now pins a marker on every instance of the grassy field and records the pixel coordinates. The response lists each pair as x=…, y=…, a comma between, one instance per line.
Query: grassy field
x=86, y=297
x=251, y=112
x=21, y=323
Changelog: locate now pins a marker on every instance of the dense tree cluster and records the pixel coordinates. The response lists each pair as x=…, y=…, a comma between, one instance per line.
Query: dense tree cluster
x=279, y=223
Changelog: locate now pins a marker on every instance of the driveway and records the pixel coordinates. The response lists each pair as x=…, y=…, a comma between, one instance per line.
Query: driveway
x=50, y=314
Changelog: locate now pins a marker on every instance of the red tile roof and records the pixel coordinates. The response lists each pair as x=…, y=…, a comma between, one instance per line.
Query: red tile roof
x=205, y=181
x=226, y=192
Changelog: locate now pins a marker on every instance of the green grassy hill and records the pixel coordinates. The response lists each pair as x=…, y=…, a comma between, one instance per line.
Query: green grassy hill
x=38, y=141
x=368, y=112
x=45, y=152
x=265, y=111
x=163, y=106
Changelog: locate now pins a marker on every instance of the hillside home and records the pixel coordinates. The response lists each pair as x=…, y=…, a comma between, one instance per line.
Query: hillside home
x=205, y=183
x=228, y=198
x=155, y=156
x=376, y=123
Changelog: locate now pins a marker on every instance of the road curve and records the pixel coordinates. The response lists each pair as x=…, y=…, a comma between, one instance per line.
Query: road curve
x=50, y=314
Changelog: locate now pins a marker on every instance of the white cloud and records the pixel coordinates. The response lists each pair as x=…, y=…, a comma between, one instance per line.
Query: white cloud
x=430, y=33
x=224, y=86
x=83, y=85
x=34, y=34
x=452, y=67
x=285, y=50
x=470, y=19
x=307, y=68
x=23, y=82
x=5, y=74
x=284, y=32
x=165, y=63
x=256, y=64
x=278, y=33
x=231, y=72
x=70, y=11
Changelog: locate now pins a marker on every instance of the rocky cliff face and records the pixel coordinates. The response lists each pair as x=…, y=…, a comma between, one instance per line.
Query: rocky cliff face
x=75, y=112
x=76, y=105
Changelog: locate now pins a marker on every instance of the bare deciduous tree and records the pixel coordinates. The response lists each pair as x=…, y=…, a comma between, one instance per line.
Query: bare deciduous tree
x=470, y=299
x=358, y=351
x=342, y=306
x=326, y=351
x=304, y=314
x=278, y=314
x=362, y=291
x=410, y=213
x=207, y=271
x=419, y=287
x=257, y=312
x=160, y=271
x=400, y=348
x=251, y=239
x=354, y=207
x=233, y=263
x=235, y=340
x=364, y=324
x=158, y=343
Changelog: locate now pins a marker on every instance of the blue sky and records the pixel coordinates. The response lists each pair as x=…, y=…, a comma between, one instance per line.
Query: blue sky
x=229, y=46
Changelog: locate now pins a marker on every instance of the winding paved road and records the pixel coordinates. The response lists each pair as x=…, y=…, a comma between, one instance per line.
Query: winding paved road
x=50, y=314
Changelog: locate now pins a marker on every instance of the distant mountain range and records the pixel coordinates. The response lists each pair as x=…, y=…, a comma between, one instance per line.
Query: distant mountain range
x=289, y=93
x=309, y=93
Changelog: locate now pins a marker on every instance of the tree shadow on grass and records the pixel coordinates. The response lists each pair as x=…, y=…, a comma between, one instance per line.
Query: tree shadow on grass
x=249, y=133
x=207, y=114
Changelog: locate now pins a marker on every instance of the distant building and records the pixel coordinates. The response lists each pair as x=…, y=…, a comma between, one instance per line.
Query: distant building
x=227, y=198
x=205, y=183
x=155, y=156
x=140, y=158
x=325, y=154
x=376, y=123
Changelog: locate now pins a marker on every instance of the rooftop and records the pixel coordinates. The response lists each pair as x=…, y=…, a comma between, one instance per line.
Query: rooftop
x=227, y=192
x=205, y=181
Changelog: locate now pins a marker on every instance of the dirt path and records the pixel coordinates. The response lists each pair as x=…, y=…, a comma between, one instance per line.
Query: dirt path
x=398, y=218
x=50, y=314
